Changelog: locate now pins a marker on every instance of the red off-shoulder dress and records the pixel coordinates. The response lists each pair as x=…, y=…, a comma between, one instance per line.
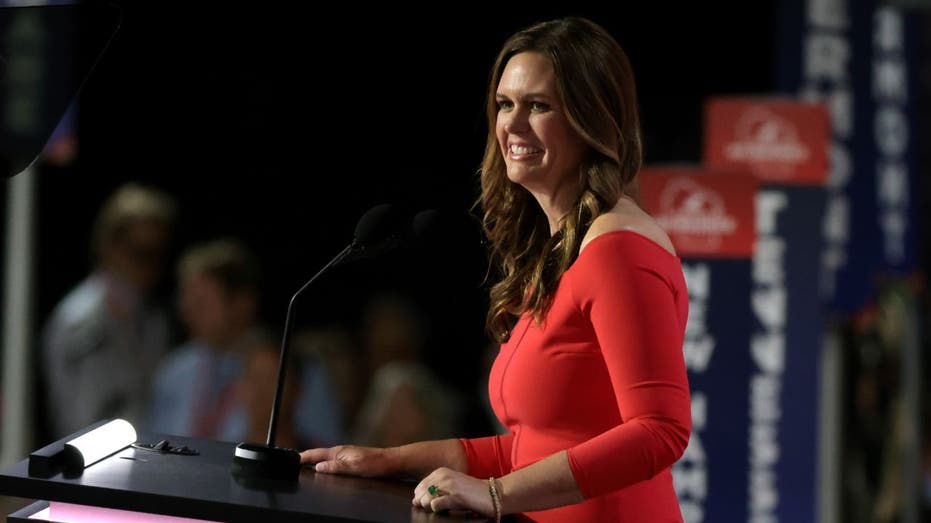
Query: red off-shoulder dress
x=602, y=377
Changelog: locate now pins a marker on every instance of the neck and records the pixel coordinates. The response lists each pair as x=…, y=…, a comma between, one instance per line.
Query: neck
x=555, y=206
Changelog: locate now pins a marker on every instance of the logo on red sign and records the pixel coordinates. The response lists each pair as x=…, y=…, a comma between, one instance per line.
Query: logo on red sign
x=777, y=140
x=705, y=214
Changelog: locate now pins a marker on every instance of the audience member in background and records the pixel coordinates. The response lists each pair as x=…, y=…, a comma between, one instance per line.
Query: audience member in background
x=195, y=390
x=103, y=339
x=404, y=402
x=331, y=384
x=257, y=392
x=217, y=385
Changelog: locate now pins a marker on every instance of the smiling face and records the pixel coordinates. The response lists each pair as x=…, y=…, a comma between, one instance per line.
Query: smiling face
x=542, y=152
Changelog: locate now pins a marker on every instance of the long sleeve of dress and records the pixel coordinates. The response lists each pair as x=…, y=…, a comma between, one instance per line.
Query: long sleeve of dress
x=632, y=298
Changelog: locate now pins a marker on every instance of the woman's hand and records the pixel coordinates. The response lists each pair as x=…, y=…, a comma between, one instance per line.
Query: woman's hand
x=352, y=460
x=453, y=491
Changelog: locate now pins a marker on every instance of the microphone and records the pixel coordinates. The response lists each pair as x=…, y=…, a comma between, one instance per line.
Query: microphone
x=426, y=225
x=379, y=229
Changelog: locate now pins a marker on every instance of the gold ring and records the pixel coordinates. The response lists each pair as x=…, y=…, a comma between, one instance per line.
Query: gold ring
x=433, y=490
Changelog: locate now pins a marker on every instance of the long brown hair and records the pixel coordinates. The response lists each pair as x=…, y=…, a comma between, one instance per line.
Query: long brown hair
x=596, y=88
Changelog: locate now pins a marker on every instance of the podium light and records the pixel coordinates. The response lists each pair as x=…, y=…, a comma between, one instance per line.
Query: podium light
x=89, y=448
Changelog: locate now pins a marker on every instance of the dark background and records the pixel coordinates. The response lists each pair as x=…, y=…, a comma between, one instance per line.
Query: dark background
x=282, y=125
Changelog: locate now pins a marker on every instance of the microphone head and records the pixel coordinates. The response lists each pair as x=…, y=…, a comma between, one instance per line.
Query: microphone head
x=426, y=225
x=378, y=224
x=435, y=228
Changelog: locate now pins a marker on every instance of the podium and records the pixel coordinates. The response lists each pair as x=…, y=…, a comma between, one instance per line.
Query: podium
x=201, y=487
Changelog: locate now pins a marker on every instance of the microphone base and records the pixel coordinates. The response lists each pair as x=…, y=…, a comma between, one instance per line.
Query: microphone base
x=255, y=460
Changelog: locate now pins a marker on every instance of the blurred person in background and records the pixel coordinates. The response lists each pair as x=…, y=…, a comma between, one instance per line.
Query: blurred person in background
x=404, y=400
x=216, y=385
x=332, y=384
x=257, y=392
x=877, y=422
x=195, y=387
x=312, y=410
x=105, y=336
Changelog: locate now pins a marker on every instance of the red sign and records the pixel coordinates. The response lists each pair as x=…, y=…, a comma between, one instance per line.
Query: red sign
x=707, y=214
x=779, y=140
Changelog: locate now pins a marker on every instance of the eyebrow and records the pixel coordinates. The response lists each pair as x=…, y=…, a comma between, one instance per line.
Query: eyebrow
x=526, y=96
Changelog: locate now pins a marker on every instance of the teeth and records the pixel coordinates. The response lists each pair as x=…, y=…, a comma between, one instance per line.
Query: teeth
x=522, y=149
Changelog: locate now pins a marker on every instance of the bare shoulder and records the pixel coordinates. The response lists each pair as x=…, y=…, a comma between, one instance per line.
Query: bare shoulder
x=628, y=216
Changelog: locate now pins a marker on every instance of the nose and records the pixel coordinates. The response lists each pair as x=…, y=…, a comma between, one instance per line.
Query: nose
x=516, y=121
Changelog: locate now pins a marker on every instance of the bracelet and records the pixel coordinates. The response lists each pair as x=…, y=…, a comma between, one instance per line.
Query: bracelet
x=495, y=498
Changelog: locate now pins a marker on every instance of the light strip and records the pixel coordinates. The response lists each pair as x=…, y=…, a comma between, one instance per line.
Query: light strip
x=101, y=442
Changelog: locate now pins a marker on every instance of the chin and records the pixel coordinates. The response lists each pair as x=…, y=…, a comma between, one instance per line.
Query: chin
x=518, y=176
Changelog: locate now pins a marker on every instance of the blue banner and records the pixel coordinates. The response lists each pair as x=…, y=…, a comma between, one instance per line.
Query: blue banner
x=752, y=349
x=711, y=476
x=894, y=130
x=785, y=350
x=852, y=56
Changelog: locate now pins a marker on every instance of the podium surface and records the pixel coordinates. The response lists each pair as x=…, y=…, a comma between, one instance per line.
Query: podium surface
x=202, y=487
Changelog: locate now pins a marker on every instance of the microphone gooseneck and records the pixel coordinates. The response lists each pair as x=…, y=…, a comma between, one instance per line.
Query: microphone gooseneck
x=376, y=226
x=286, y=346
x=375, y=232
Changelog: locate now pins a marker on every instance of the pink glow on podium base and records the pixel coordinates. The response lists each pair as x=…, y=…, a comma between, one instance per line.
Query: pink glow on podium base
x=71, y=513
